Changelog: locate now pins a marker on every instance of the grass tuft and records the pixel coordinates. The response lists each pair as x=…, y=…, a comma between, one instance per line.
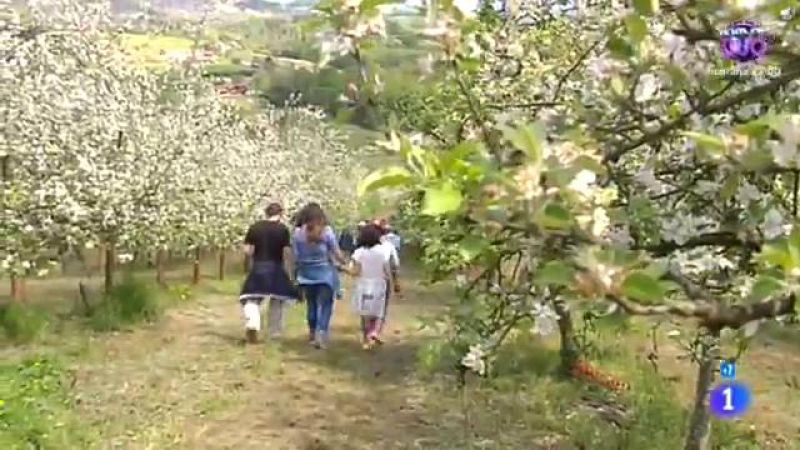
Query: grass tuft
x=129, y=302
x=22, y=323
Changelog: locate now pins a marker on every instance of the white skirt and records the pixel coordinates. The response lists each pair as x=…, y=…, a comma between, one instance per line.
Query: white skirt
x=369, y=297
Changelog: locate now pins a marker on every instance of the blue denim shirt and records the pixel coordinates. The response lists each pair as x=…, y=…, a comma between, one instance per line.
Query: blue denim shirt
x=313, y=261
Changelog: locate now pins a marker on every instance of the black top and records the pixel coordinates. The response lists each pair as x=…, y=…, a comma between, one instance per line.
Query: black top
x=268, y=239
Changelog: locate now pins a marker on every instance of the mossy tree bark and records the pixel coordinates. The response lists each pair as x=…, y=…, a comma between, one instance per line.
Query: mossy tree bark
x=699, y=430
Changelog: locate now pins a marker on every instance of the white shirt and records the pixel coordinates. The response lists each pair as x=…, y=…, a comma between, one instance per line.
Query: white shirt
x=373, y=262
x=394, y=239
x=390, y=252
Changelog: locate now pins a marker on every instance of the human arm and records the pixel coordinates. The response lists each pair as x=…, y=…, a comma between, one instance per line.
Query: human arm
x=387, y=274
x=248, y=247
x=333, y=247
x=354, y=267
x=288, y=255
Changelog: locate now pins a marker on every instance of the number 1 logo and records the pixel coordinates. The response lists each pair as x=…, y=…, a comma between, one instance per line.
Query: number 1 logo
x=728, y=394
x=728, y=400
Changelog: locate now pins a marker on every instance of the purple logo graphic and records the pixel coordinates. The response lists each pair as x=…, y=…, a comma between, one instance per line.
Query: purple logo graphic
x=743, y=42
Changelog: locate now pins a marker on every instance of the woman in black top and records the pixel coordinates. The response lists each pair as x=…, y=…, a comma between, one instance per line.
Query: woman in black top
x=268, y=242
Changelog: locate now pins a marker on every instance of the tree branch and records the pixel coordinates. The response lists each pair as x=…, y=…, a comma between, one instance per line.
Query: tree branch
x=714, y=316
x=705, y=110
x=719, y=239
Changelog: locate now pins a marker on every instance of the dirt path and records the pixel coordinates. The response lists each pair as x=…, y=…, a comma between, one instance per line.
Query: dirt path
x=189, y=382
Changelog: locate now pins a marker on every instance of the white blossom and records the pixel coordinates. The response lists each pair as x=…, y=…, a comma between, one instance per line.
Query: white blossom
x=646, y=88
x=774, y=224
x=545, y=320
x=475, y=360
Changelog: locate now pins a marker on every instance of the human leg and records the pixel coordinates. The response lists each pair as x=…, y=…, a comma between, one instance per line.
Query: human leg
x=310, y=294
x=382, y=319
x=324, y=301
x=252, y=315
x=364, y=327
x=275, y=317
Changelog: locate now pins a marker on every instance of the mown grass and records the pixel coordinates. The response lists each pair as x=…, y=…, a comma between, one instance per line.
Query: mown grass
x=186, y=382
x=36, y=410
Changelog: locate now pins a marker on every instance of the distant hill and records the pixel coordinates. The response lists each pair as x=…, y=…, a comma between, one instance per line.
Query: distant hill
x=293, y=7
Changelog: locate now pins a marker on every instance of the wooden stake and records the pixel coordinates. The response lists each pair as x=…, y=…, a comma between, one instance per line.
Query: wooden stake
x=221, y=271
x=14, y=288
x=110, y=257
x=160, y=267
x=101, y=254
x=196, y=271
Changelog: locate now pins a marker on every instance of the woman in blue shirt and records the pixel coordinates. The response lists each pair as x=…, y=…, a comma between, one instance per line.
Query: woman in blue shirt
x=316, y=255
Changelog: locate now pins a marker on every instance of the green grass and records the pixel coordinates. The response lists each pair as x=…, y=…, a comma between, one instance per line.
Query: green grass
x=528, y=402
x=36, y=411
x=129, y=302
x=23, y=323
x=152, y=49
x=183, y=382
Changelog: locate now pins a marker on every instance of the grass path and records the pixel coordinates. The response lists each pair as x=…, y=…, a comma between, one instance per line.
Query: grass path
x=189, y=382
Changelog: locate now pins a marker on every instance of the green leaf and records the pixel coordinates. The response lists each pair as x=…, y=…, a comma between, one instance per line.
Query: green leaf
x=441, y=200
x=455, y=156
x=555, y=273
x=555, y=216
x=382, y=178
x=469, y=65
x=765, y=287
x=730, y=187
x=755, y=128
x=678, y=76
x=588, y=163
x=636, y=26
x=757, y=159
x=712, y=144
x=617, y=86
x=776, y=254
x=370, y=5
x=646, y=7
x=642, y=287
x=619, y=48
x=528, y=138
x=656, y=269
x=472, y=246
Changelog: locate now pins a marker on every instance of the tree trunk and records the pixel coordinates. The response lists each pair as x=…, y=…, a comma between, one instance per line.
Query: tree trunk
x=221, y=272
x=569, y=350
x=101, y=253
x=196, y=267
x=160, y=267
x=15, y=294
x=108, y=273
x=699, y=430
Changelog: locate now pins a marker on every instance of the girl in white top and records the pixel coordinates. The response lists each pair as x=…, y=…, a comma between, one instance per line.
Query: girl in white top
x=370, y=267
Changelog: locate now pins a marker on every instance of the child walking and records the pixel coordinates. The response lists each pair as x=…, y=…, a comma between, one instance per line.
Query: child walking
x=372, y=275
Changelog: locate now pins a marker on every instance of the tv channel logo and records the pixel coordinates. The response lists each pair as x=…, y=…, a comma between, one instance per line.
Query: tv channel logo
x=744, y=41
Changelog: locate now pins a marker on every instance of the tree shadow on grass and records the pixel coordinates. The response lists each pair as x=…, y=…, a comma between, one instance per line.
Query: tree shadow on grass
x=389, y=363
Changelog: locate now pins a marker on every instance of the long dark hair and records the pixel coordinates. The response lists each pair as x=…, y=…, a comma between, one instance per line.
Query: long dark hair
x=312, y=218
x=311, y=210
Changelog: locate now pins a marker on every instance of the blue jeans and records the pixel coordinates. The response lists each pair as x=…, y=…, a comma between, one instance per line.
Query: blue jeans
x=319, y=306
